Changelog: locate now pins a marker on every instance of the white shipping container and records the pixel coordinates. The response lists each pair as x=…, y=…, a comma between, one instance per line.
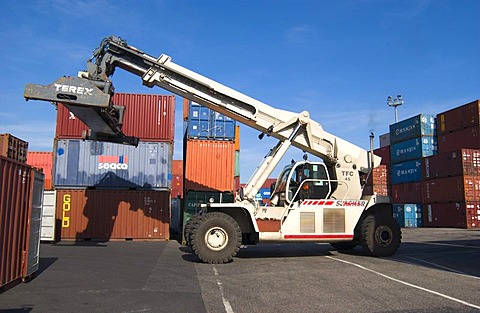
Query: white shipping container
x=48, y=216
x=384, y=140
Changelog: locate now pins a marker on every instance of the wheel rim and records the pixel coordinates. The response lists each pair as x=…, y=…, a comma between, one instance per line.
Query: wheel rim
x=216, y=238
x=384, y=236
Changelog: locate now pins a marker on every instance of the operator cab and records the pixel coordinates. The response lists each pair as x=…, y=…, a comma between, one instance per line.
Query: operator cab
x=300, y=181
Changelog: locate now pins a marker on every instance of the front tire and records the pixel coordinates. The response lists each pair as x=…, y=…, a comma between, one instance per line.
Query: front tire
x=380, y=235
x=216, y=238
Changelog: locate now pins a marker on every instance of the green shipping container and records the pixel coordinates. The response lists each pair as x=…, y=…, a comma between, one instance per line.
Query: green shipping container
x=237, y=164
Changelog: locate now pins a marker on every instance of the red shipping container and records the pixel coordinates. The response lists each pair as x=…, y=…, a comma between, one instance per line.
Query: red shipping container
x=384, y=153
x=113, y=214
x=209, y=165
x=457, y=214
x=43, y=161
x=177, y=186
x=466, y=138
x=13, y=148
x=15, y=204
x=148, y=117
x=455, y=163
x=177, y=167
x=407, y=193
x=465, y=116
x=451, y=189
x=378, y=182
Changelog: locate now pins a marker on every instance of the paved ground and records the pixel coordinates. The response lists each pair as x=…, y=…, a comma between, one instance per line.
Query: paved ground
x=435, y=270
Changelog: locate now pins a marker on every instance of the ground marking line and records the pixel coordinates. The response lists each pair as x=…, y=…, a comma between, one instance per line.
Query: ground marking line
x=226, y=304
x=447, y=244
x=407, y=284
x=444, y=267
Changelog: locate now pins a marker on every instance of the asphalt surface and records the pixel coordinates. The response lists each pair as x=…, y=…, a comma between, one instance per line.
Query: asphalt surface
x=435, y=270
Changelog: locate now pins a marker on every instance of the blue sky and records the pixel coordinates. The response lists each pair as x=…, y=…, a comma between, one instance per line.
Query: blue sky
x=339, y=60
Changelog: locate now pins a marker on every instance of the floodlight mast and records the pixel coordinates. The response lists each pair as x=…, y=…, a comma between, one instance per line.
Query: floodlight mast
x=395, y=102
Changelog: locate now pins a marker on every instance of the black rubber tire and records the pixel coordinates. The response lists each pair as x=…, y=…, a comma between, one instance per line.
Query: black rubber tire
x=187, y=231
x=380, y=235
x=216, y=238
x=343, y=245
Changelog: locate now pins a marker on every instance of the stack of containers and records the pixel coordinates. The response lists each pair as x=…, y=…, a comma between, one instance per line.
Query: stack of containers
x=211, y=157
x=451, y=186
x=411, y=140
x=111, y=191
x=21, y=189
x=264, y=193
x=44, y=162
x=379, y=181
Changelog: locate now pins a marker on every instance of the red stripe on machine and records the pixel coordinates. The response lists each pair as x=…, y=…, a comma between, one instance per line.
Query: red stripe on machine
x=318, y=236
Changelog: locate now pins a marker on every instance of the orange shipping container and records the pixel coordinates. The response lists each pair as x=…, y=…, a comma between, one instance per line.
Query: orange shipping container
x=209, y=165
x=13, y=148
x=44, y=161
x=113, y=214
x=177, y=167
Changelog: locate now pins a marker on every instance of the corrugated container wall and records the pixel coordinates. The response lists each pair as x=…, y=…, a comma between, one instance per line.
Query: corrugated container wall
x=466, y=138
x=209, y=165
x=407, y=193
x=113, y=214
x=44, y=161
x=418, y=126
x=384, y=140
x=454, y=214
x=204, y=123
x=465, y=116
x=406, y=172
x=451, y=189
x=455, y=163
x=148, y=117
x=13, y=148
x=86, y=163
x=412, y=149
x=15, y=192
x=384, y=153
x=408, y=215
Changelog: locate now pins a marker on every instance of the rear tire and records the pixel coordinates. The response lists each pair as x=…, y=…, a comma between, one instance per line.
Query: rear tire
x=216, y=238
x=380, y=235
x=188, y=229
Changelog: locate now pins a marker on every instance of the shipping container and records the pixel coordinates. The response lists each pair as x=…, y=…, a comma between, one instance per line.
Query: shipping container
x=107, y=165
x=113, y=214
x=466, y=138
x=408, y=215
x=456, y=214
x=452, y=189
x=194, y=199
x=384, y=153
x=13, y=148
x=209, y=165
x=177, y=186
x=15, y=194
x=407, y=193
x=455, y=163
x=148, y=117
x=384, y=140
x=32, y=250
x=422, y=125
x=43, y=161
x=176, y=215
x=237, y=137
x=465, y=116
x=177, y=167
x=378, y=182
x=204, y=123
x=406, y=172
x=412, y=149
x=48, y=216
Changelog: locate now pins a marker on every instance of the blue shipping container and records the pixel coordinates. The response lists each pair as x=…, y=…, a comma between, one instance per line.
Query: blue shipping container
x=414, y=127
x=408, y=215
x=80, y=163
x=204, y=123
x=406, y=172
x=412, y=149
